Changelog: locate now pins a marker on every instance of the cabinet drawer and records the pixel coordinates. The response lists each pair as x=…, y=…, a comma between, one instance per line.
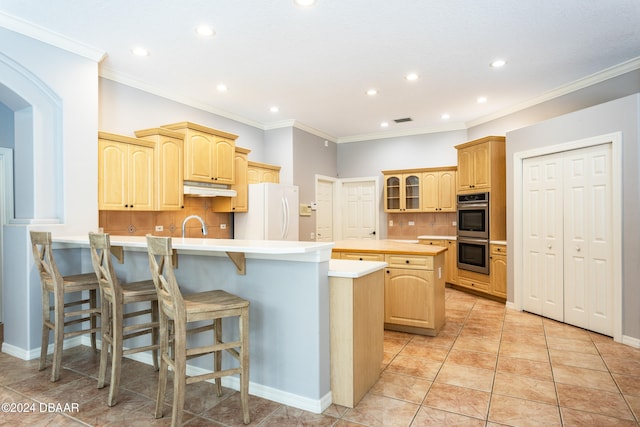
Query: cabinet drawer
x=498, y=249
x=431, y=242
x=473, y=284
x=357, y=256
x=410, y=261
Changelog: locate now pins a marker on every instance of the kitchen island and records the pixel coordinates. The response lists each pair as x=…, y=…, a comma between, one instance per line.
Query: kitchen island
x=287, y=285
x=413, y=282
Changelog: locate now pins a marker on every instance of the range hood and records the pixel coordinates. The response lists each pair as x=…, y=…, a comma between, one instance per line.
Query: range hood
x=202, y=189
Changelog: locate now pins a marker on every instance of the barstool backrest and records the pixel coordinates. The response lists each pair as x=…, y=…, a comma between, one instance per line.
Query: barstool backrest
x=164, y=279
x=41, y=246
x=101, y=259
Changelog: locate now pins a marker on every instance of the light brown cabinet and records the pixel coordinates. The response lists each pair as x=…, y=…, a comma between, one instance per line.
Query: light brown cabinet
x=357, y=335
x=402, y=192
x=125, y=173
x=482, y=168
x=439, y=190
x=450, y=258
x=168, y=165
x=239, y=203
x=498, y=270
x=413, y=282
x=414, y=293
x=208, y=153
x=262, y=172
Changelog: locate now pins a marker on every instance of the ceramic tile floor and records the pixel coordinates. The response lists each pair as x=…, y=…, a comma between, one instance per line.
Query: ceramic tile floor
x=488, y=367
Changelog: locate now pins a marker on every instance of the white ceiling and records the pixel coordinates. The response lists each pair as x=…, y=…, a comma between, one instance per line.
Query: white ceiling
x=316, y=63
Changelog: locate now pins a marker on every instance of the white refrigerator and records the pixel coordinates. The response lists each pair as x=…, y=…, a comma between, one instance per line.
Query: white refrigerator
x=273, y=213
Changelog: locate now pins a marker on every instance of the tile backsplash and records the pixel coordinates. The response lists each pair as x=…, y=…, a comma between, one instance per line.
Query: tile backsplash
x=139, y=223
x=424, y=223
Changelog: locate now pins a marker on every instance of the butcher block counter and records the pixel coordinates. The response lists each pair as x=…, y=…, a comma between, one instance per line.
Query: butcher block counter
x=413, y=281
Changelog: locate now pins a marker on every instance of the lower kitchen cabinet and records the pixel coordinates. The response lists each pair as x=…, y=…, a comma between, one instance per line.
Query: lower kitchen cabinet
x=414, y=293
x=450, y=257
x=498, y=270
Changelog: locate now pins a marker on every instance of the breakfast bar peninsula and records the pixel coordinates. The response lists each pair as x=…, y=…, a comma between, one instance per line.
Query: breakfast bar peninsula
x=287, y=285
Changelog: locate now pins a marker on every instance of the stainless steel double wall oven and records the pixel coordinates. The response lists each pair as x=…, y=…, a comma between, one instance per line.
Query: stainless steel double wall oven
x=473, y=232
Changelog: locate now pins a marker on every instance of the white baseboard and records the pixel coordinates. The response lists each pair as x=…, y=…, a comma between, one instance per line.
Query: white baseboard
x=630, y=341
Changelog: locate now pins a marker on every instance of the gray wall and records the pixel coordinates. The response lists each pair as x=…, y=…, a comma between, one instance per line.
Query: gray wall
x=7, y=136
x=311, y=157
x=124, y=109
x=622, y=115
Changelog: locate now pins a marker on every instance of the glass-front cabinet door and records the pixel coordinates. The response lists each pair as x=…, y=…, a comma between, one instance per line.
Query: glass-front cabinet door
x=392, y=194
x=402, y=193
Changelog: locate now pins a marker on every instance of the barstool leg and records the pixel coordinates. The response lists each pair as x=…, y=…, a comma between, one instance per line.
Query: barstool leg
x=244, y=363
x=105, y=332
x=217, y=355
x=94, y=321
x=58, y=337
x=180, y=372
x=46, y=316
x=116, y=351
x=155, y=333
x=164, y=368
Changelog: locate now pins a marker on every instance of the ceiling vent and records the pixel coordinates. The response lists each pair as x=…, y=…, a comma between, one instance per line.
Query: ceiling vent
x=406, y=119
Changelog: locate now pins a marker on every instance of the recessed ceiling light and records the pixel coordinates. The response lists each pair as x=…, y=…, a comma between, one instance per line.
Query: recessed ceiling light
x=140, y=51
x=482, y=99
x=445, y=116
x=498, y=63
x=304, y=3
x=372, y=92
x=205, y=31
x=221, y=87
x=274, y=109
x=384, y=124
x=411, y=77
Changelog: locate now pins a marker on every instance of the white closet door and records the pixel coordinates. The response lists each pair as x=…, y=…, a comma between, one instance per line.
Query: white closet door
x=567, y=237
x=543, y=236
x=588, y=232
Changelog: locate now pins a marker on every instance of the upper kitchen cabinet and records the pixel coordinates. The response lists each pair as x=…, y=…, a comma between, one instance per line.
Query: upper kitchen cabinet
x=481, y=164
x=439, y=190
x=209, y=153
x=263, y=172
x=168, y=165
x=125, y=173
x=402, y=191
x=239, y=203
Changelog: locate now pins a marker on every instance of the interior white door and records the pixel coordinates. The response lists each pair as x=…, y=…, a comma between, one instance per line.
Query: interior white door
x=543, y=236
x=588, y=239
x=324, y=211
x=567, y=237
x=359, y=219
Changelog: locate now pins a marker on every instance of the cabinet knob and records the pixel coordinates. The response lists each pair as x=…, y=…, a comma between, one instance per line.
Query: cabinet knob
x=406, y=261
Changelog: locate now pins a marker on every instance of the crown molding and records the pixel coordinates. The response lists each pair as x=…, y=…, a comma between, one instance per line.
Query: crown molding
x=599, y=77
x=399, y=133
x=125, y=79
x=44, y=35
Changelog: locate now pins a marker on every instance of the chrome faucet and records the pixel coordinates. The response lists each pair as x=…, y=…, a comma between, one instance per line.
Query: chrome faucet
x=184, y=224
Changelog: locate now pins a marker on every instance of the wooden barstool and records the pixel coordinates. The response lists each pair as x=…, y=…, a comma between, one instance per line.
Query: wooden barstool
x=114, y=296
x=178, y=311
x=54, y=283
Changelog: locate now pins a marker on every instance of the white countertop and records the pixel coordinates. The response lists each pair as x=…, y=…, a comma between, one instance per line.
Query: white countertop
x=266, y=247
x=498, y=242
x=353, y=268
